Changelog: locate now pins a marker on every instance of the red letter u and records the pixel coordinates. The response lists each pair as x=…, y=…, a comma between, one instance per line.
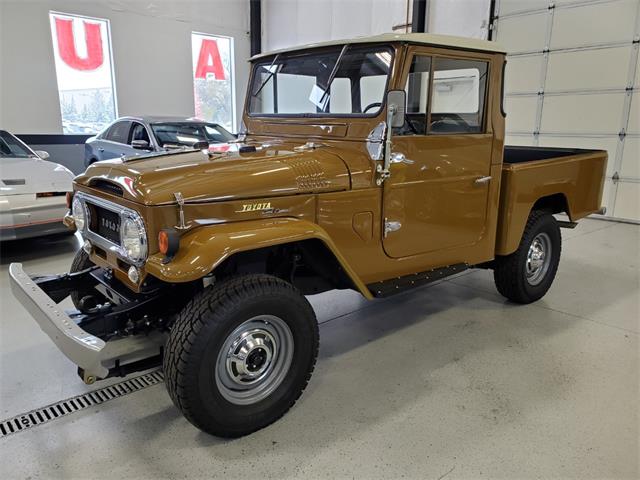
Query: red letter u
x=67, y=45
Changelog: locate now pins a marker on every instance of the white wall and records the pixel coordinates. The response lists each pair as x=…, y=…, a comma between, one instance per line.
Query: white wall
x=151, y=43
x=465, y=18
x=287, y=23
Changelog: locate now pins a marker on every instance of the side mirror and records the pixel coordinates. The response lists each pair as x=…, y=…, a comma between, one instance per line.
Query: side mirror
x=201, y=145
x=140, y=144
x=42, y=154
x=396, y=108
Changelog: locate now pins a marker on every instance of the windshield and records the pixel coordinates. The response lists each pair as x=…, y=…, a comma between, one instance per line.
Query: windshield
x=188, y=133
x=10, y=146
x=309, y=84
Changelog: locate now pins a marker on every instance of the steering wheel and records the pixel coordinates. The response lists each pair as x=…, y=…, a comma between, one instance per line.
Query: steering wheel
x=372, y=105
x=451, y=118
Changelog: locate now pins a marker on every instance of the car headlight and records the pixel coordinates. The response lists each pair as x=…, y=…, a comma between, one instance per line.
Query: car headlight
x=133, y=238
x=78, y=213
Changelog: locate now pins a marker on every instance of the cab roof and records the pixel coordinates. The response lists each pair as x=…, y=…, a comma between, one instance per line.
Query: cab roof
x=414, y=38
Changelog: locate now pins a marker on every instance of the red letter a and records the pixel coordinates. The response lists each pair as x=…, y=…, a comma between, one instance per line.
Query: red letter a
x=209, y=61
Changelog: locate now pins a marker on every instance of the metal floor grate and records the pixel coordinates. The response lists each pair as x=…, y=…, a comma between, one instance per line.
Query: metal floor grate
x=65, y=407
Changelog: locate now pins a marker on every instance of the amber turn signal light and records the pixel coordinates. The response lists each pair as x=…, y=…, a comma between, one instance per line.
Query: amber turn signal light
x=168, y=243
x=69, y=199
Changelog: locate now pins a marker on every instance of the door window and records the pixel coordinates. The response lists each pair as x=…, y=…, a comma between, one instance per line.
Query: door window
x=119, y=132
x=139, y=132
x=458, y=98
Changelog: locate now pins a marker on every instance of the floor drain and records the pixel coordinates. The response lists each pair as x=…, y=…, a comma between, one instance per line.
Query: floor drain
x=65, y=407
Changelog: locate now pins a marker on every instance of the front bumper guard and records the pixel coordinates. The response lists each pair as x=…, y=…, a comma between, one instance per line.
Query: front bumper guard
x=95, y=358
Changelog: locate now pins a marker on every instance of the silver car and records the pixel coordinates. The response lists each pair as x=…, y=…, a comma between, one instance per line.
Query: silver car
x=130, y=136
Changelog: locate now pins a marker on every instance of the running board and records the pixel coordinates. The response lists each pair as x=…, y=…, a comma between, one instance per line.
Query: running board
x=407, y=282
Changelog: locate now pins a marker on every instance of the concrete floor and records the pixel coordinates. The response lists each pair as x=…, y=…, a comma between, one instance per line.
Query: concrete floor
x=446, y=381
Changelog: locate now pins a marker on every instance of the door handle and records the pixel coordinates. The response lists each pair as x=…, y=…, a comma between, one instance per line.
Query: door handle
x=398, y=157
x=482, y=180
x=101, y=149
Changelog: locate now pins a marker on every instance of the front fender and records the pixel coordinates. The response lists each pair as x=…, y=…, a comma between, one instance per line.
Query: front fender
x=206, y=247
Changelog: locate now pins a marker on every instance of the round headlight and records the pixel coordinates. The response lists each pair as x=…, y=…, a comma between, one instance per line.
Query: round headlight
x=78, y=213
x=133, y=238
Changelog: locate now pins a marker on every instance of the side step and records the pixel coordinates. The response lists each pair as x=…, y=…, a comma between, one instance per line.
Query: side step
x=407, y=282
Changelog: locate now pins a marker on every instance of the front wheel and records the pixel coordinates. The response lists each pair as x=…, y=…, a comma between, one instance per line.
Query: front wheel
x=240, y=354
x=527, y=274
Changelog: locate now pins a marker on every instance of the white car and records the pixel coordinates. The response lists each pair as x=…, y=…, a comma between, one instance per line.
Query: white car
x=32, y=191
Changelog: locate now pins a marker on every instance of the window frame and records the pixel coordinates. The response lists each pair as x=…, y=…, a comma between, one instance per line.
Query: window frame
x=114, y=91
x=232, y=74
x=434, y=55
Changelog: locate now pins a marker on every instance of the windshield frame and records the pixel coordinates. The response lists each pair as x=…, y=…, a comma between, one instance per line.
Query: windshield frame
x=267, y=59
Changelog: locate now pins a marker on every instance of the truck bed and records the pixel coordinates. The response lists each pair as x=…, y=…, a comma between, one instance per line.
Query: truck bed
x=519, y=154
x=566, y=180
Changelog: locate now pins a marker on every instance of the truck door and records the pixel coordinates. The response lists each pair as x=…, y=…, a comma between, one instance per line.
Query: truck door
x=436, y=196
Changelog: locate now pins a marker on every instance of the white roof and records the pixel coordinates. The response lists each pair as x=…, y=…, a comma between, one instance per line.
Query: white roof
x=417, y=38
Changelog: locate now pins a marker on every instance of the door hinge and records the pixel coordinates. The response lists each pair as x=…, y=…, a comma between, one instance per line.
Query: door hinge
x=383, y=174
x=615, y=178
x=390, y=227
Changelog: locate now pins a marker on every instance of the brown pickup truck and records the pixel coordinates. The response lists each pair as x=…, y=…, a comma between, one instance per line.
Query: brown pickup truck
x=375, y=164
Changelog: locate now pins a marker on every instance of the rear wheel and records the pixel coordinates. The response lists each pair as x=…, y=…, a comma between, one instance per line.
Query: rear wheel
x=240, y=354
x=527, y=274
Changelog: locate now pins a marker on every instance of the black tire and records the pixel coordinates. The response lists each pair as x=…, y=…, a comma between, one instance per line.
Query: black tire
x=199, y=335
x=81, y=262
x=510, y=272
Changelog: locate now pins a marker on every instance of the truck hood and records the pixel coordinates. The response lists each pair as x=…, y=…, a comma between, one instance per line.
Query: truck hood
x=20, y=176
x=216, y=176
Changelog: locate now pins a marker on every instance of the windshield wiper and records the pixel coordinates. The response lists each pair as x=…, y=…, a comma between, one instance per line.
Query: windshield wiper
x=266, y=80
x=333, y=74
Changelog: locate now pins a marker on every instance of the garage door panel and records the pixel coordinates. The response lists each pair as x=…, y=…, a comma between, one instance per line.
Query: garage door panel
x=628, y=201
x=523, y=34
x=608, y=190
x=514, y=6
x=630, y=167
x=584, y=25
x=520, y=140
x=582, y=114
x=634, y=116
x=610, y=144
x=521, y=113
x=588, y=69
x=523, y=74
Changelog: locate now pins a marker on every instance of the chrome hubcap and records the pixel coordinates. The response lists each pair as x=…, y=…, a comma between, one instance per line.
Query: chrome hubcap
x=538, y=259
x=254, y=359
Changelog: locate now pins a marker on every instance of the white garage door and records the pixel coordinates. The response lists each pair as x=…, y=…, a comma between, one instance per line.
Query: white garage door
x=573, y=81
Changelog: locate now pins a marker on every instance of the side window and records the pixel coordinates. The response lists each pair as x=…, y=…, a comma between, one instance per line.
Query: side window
x=139, y=132
x=119, y=132
x=458, y=98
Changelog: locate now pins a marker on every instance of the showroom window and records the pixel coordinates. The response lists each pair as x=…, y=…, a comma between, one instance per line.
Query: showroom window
x=213, y=79
x=84, y=71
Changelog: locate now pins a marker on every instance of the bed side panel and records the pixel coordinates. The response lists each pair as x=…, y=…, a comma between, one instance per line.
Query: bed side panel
x=580, y=178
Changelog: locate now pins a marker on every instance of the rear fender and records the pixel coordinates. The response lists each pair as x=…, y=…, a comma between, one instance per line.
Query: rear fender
x=205, y=248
